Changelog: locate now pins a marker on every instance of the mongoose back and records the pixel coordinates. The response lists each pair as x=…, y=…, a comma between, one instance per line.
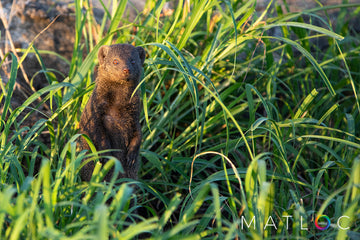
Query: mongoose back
x=111, y=116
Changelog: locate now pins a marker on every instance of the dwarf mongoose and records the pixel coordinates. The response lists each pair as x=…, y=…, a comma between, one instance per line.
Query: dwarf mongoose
x=111, y=116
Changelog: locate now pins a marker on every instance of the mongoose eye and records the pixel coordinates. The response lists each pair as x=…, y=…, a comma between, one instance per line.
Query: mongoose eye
x=133, y=61
x=115, y=62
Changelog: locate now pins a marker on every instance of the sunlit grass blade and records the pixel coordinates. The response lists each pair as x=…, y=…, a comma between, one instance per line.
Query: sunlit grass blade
x=304, y=106
x=306, y=26
x=9, y=91
x=142, y=227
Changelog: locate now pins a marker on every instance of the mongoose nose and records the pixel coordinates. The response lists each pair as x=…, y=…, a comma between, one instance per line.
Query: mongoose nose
x=126, y=71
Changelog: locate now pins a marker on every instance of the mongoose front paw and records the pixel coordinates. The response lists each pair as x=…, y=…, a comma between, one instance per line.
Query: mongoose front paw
x=131, y=158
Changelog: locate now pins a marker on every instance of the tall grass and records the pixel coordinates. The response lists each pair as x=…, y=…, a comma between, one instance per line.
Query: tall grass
x=250, y=130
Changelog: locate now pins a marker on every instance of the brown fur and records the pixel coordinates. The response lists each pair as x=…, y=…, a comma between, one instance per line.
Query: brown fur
x=111, y=116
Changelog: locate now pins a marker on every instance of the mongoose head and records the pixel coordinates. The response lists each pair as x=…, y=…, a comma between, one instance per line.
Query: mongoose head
x=121, y=63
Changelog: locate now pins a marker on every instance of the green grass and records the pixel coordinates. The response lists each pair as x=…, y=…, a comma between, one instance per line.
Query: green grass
x=238, y=124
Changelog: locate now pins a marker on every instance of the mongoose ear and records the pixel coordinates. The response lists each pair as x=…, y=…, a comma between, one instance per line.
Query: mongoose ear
x=103, y=51
x=141, y=52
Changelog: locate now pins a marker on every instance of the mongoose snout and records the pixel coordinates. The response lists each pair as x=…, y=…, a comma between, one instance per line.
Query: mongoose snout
x=126, y=71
